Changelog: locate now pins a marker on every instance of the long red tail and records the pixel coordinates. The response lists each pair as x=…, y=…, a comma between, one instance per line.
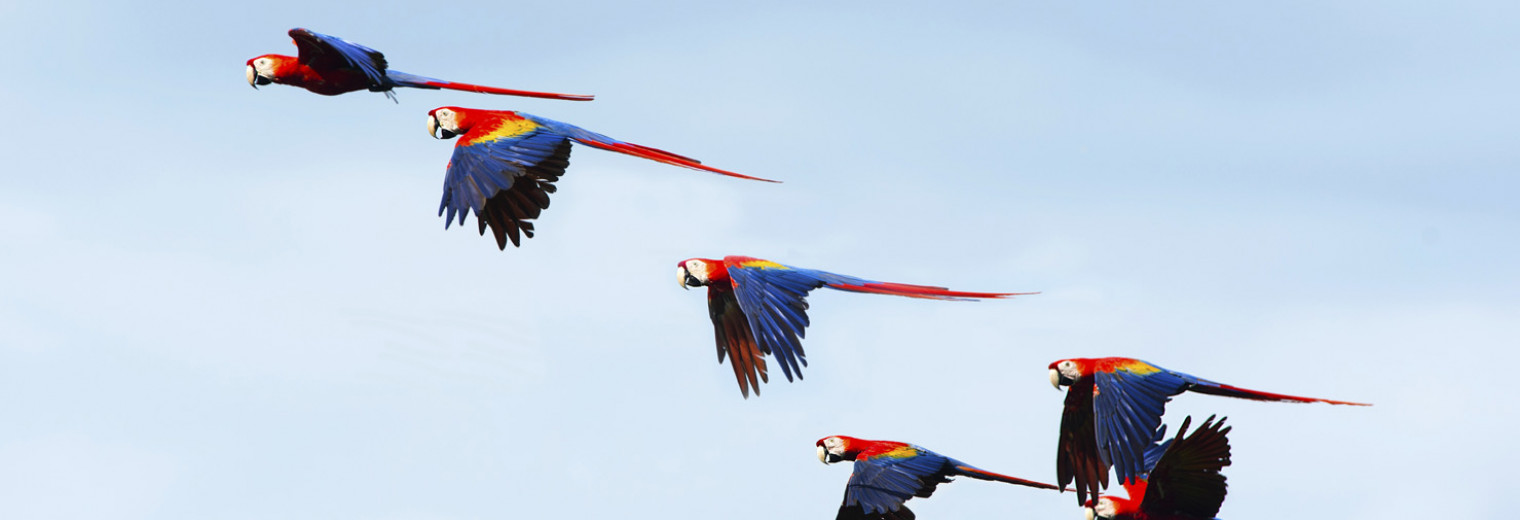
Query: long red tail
x=658, y=155
x=404, y=79
x=508, y=92
x=1256, y=395
x=920, y=291
x=988, y=475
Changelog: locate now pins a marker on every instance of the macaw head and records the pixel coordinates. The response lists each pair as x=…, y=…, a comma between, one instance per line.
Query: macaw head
x=1107, y=508
x=445, y=122
x=261, y=70
x=698, y=272
x=835, y=449
x=1065, y=372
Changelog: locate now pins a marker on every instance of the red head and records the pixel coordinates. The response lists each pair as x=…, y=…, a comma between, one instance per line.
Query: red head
x=837, y=448
x=451, y=121
x=698, y=272
x=1111, y=508
x=269, y=68
x=1068, y=371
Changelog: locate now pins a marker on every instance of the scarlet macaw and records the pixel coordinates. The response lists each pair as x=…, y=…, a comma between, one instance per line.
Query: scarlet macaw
x=1113, y=409
x=1184, y=481
x=759, y=307
x=889, y=473
x=329, y=65
x=505, y=165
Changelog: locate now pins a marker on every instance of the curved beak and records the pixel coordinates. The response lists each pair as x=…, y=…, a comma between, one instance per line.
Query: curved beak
x=1055, y=379
x=823, y=455
x=681, y=277
x=1090, y=514
x=254, y=79
x=437, y=131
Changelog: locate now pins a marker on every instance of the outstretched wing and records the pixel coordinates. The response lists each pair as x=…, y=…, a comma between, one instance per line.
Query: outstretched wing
x=773, y=297
x=1187, y=481
x=880, y=484
x=1129, y=398
x=320, y=51
x=1077, y=454
x=504, y=170
x=734, y=339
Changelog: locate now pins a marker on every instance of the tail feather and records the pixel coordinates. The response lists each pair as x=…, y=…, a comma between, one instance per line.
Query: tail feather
x=403, y=79
x=1255, y=395
x=658, y=155
x=982, y=474
x=920, y=291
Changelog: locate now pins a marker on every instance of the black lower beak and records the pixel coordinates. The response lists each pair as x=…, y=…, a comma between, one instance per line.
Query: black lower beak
x=446, y=134
x=260, y=80
x=692, y=281
x=834, y=458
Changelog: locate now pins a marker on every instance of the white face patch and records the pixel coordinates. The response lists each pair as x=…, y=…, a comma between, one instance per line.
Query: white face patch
x=264, y=66
x=447, y=120
x=1105, y=508
x=699, y=270
x=1069, y=370
x=831, y=446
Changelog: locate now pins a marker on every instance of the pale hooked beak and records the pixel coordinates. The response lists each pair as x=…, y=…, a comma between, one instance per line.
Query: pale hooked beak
x=681, y=277
x=434, y=129
x=823, y=455
x=254, y=79
x=1055, y=379
x=1090, y=514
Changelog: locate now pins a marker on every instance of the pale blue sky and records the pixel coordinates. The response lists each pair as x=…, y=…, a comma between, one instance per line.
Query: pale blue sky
x=217, y=302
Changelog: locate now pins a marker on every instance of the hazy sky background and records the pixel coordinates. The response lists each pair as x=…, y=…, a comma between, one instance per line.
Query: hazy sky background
x=217, y=302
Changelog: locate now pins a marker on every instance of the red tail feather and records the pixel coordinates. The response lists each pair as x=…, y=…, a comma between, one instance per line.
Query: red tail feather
x=920, y=291
x=508, y=92
x=658, y=155
x=988, y=475
x=1242, y=393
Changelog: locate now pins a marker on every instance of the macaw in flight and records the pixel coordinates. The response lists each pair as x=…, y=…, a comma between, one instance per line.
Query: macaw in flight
x=330, y=65
x=889, y=473
x=759, y=307
x=1184, y=481
x=1113, y=409
x=505, y=165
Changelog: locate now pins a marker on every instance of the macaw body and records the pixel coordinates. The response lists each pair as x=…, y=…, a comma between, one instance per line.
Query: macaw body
x=505, y=164
x=1184, y=479
x=759, y=307
x=1113, y=411
x=329, y=65
x=888, y=473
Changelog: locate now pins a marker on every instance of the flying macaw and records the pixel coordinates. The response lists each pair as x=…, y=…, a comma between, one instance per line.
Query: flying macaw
x=759, y=307
x=505, y=165
x=889, y=473
x=1113, y=409
x=329, y=65
x=1184, y=481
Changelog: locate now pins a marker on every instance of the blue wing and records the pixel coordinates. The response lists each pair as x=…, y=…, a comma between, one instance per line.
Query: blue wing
x=1128, y=406
x=321, y=51
x=881, y=484
x=773, y=297
x=504, y=172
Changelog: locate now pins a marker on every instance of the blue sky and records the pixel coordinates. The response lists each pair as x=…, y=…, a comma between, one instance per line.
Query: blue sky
x=217, y=302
